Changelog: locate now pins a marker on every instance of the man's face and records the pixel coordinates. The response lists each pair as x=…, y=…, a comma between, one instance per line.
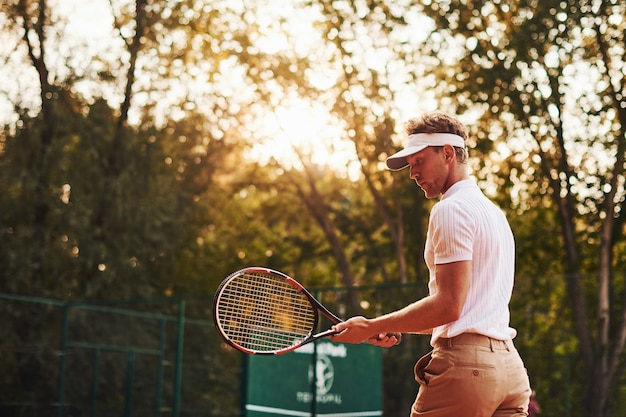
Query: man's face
x=429, y=169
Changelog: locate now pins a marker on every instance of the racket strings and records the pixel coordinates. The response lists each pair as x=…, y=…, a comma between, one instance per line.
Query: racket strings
x=263, y=312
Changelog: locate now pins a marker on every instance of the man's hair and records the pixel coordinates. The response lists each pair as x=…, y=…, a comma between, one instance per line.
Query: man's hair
x=439, y=122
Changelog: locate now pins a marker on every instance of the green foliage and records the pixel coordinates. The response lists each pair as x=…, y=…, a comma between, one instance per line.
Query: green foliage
x=130, y=174
x=544, y=78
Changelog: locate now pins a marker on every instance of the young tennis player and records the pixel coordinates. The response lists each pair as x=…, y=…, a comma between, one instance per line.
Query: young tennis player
x=474, y=369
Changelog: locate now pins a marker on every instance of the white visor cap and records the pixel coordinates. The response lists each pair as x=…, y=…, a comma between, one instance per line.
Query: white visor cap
x=420, y=141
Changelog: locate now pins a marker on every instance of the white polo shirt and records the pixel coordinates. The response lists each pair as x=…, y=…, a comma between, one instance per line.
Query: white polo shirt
x=466, y=226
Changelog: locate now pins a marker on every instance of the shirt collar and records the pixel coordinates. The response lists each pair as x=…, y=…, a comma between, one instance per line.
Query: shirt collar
x=457, y=186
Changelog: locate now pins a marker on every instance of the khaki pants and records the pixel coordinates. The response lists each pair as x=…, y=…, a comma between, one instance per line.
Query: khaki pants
x=471, y=375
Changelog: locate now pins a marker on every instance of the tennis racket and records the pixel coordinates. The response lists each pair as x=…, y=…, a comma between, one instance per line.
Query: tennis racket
x=263, y=311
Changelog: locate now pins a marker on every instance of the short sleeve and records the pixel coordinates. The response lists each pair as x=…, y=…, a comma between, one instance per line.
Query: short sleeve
x=452, y=232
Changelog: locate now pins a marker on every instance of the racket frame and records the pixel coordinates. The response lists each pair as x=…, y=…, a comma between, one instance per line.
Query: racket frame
x=315, y=304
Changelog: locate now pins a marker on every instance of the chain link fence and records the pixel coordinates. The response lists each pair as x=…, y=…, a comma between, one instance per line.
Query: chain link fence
x=163, y=357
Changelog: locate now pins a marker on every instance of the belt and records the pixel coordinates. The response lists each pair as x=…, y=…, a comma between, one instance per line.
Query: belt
x=474, y=339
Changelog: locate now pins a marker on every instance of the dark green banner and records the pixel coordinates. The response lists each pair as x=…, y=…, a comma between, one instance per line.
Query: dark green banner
x=348, y=380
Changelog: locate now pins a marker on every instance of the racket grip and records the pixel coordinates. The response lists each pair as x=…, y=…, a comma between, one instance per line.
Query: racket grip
x=329, y=332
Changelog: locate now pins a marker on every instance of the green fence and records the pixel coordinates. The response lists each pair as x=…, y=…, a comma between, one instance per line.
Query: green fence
x=132, y=358
x=163, y=357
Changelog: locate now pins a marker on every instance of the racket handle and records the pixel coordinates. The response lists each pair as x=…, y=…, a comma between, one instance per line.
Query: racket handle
x=329, y=332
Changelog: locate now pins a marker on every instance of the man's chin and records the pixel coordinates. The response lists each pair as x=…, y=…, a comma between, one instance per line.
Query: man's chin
x=428, y=194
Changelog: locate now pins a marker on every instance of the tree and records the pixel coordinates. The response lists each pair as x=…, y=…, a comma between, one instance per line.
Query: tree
x=364, y=97
x=107, y=197
x=86, y=205
x=131, y=173
x=546, y=77
x=371, y=46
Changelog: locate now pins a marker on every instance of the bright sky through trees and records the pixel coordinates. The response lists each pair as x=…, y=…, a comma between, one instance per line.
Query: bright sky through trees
x=307, y=126
x=296, y=122
x=91, y=45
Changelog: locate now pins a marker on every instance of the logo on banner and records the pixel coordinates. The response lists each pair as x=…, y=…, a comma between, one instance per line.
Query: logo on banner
x=324, y=373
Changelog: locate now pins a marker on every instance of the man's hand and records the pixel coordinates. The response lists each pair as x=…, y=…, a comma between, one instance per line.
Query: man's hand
x=359, y=329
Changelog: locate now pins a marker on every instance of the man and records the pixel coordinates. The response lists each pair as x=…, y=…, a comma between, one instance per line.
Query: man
x=473, y=369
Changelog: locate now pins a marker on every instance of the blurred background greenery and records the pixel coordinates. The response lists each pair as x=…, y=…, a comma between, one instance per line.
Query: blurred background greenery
x=150, y=148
